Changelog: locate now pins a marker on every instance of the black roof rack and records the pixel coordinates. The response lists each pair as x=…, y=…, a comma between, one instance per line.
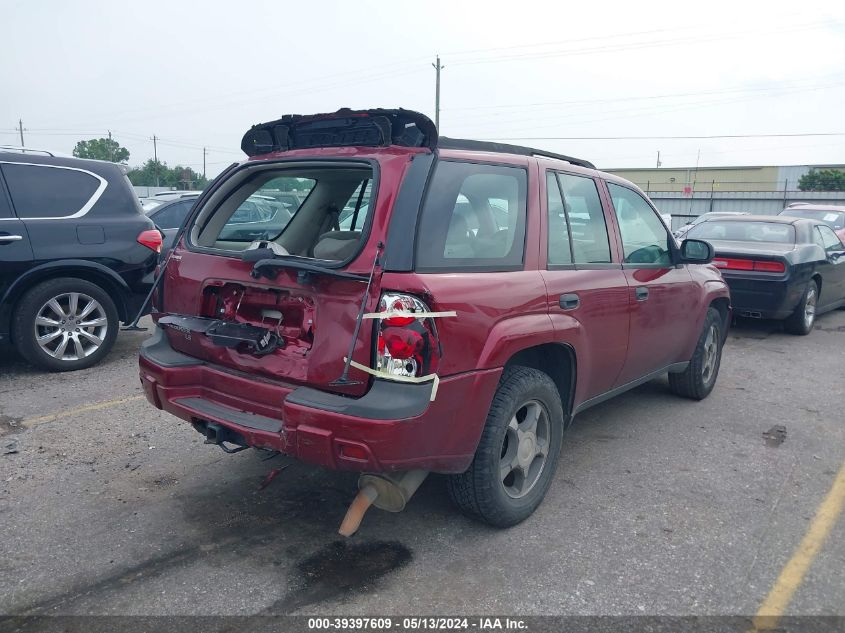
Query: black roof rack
x=505, y=148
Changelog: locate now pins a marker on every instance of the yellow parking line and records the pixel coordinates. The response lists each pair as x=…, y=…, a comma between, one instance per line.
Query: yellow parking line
x=790, y=578
x=30, y=422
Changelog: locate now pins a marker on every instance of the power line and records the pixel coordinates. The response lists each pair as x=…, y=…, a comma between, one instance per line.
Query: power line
x=644, y=138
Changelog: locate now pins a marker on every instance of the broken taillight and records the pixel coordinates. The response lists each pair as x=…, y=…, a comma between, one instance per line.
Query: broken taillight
x=406, y=345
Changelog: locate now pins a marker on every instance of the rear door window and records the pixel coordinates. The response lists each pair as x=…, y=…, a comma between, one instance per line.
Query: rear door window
x=40, y=191
x=560, y=251
x=587, y=224
x=473, y=218
x=172, y=216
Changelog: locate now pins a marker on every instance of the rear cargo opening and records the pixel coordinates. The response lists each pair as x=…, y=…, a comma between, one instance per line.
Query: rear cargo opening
x=262, y=287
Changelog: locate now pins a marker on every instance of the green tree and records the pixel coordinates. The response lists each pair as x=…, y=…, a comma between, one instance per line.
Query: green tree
x=822, y=180
x=156, y=173
x=101, y=149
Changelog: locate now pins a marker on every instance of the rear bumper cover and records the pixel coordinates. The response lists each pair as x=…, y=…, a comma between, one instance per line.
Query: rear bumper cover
x=392, y=427
x=764, y=298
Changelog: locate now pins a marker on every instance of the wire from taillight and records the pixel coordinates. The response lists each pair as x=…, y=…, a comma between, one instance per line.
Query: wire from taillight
x=151, y=238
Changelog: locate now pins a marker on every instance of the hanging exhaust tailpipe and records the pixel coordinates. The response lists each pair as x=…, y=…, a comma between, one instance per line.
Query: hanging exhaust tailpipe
x=388, y=491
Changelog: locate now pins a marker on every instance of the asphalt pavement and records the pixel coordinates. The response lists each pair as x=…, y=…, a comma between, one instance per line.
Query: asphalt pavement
x=661, y=506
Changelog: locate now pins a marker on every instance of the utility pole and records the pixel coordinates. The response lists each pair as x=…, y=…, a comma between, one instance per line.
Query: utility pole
x=658, y=159
x=438, y=68
x=21, y=130
x=155, y=156
x=203, y=162
x=111, y=149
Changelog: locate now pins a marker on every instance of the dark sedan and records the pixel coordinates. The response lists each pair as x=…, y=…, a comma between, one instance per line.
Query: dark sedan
x=778, y=267
x=170, y=215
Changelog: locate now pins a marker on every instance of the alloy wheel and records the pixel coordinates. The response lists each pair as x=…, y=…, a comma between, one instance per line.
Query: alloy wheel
x=524, y=449
x=711, y=353
x=810, y=306
x=71, y=326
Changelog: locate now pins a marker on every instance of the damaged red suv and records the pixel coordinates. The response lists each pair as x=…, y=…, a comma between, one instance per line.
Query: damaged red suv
x=363, y=295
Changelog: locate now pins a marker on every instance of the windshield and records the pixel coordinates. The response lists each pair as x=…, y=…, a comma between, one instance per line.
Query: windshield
x=749, y=231
x=834, y=219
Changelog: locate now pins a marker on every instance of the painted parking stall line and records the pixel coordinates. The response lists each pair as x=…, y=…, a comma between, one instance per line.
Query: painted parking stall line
x=97, y=406
x=793, y=573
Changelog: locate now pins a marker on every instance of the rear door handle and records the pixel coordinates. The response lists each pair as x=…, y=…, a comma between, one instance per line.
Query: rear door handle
x=641, y=293
x=569, y=301
x=10, y=238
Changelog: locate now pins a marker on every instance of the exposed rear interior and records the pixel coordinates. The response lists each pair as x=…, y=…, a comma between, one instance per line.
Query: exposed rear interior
x=313, y=210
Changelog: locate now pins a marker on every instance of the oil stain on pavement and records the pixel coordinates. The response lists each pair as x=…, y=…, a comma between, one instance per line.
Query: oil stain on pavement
x=342, y=568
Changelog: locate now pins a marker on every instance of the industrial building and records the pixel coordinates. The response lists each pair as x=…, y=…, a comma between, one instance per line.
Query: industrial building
x=698, y=179
x=687, y=192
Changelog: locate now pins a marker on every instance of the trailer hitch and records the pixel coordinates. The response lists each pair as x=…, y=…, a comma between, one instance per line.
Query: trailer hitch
x=220, y=436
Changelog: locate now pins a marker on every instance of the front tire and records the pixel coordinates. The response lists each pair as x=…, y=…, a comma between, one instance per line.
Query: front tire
x=65, y=324
x=801, y=321
x=516, y=457
x=698, y=379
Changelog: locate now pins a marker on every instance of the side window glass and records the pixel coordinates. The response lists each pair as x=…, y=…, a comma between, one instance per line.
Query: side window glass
x=473, y=217
x=818, y=239
x=559, y=248
x=829, y=239
x=172, y=216
x=5, y=208
x=645, y=239
x=590, y=244
x=48, y=192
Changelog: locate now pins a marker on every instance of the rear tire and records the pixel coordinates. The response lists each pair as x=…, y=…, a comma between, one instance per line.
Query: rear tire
x=516, y=457
x=65, y=324
x=802, y=320
x=698, y=379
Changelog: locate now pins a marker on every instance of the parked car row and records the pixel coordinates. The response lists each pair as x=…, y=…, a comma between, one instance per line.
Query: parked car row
x=406, y=305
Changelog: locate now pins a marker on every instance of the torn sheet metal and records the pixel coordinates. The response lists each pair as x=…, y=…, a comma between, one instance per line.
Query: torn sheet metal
x=433, y=378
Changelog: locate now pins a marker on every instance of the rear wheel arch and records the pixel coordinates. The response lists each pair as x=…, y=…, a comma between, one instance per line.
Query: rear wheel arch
x=556, y=360
x=722, y=304
x=117, y=291
x=818, y=279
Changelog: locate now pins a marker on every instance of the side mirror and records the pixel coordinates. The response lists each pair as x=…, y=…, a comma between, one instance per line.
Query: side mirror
x=697, y=252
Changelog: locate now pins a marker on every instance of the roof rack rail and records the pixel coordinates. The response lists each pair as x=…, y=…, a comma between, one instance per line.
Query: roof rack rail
x=24, y=150
x=505, y=148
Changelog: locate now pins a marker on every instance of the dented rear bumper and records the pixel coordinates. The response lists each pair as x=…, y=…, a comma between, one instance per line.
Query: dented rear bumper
x=392, y=427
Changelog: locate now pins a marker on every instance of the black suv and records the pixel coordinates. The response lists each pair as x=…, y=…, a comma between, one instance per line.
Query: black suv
x=77, y=256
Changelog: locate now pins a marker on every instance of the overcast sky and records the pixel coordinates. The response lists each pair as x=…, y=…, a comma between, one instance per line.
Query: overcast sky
x=200, y=73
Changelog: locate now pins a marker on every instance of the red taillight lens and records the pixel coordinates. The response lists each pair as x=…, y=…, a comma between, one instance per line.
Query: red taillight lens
x=749, y=264
x=151, y=239
x=734, y=264
x=402, y=343
x=406, y=345
x=770, y=267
